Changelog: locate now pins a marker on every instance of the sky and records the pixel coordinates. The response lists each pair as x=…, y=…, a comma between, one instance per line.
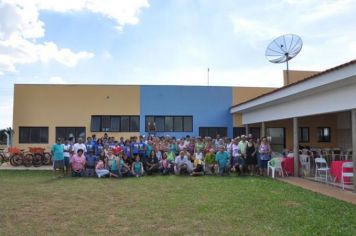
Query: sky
x=165, y=41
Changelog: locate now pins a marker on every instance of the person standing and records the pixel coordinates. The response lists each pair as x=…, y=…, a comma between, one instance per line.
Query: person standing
x=222, y=159
x=58, y=157
x=67, y=155
x=251, y=160
x=79, y=145
x=265, y=155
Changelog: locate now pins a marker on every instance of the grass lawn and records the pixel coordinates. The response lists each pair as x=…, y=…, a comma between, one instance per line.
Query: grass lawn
x=33, y=203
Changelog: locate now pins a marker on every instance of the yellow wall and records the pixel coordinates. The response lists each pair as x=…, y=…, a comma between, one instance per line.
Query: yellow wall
x=243, y=94
x=296, y=75
x=52, y=100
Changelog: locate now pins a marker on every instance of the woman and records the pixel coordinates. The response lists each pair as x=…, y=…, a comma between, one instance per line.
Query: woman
x=251, y=160
x=265, y=155
x=100, y=169
x=137, y=167
x=78, y=164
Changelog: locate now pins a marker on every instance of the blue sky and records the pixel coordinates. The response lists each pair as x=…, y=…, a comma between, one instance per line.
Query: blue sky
x=165, y=41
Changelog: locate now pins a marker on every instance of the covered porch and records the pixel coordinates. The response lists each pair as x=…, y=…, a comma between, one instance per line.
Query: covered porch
x=310, y=121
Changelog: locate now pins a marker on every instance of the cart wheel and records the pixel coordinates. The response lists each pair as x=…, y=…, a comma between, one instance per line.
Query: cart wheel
x=37, y=160
x=7, y=156
x=46, y=159
x=27, y=160
x=16, y=160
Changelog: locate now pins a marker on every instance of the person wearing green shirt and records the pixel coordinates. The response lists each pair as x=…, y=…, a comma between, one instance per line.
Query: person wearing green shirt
x=222, y=159
x=58, y=157
x=210, y=163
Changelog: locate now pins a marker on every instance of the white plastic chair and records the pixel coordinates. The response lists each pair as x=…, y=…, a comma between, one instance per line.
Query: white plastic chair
x=322, y=171
x=276, y=167
x=305, y=163
x=346, y=174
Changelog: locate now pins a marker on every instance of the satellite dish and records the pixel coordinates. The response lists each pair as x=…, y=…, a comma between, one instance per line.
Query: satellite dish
x=283, y=49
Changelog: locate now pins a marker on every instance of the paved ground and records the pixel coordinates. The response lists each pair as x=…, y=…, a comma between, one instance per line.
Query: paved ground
x=322, y=188
x=7, y=166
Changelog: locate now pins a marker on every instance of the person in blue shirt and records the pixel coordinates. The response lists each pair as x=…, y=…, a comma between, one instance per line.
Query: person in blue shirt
x=222, y=159
x=91, y=161
x=134, y=146
x=58, y=157
x=142, y=149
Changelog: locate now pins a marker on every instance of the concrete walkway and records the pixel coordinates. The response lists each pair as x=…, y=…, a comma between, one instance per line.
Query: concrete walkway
x=7, y=166
x=324, y=189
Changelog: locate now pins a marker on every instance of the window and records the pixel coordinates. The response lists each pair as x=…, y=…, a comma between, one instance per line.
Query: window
x=238, y=131
x=67, y=132
x=115, y=123
x=303, y=135
x=33, y=135
x=212, y=131
x=324, y=134
x=169, y=123
x=278, y=138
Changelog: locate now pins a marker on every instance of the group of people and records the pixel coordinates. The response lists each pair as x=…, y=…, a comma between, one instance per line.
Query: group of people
x=146, y=155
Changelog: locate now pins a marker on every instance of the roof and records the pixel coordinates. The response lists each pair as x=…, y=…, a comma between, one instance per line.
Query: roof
x=299, y=82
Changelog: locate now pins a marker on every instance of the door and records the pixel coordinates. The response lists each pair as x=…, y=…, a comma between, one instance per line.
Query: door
x=278, y=141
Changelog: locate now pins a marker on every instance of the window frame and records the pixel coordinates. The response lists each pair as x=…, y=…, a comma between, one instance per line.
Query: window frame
x=120, y=126
x=210, y=128
x=71, y=127
x=174, y=118
x=322, y=139
x=300, y=135
x=29, y=141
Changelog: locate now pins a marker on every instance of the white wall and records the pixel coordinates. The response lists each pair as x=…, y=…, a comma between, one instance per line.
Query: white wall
x=325, y=101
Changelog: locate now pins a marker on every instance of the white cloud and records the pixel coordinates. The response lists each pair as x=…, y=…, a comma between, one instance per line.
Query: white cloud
x=106, y=55
x=249, y=28
x=20, y=26
x=57, y=80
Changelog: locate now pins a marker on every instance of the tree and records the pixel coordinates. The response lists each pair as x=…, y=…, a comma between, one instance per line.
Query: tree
x=3, y=135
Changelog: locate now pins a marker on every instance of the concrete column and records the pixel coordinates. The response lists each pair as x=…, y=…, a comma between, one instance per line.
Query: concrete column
x=263, y=129
x=246, y=129
x=295, y=147
x=353, y=127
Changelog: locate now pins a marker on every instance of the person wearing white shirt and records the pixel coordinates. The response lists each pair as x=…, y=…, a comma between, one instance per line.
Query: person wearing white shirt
x=79, y=145
x=182, y=162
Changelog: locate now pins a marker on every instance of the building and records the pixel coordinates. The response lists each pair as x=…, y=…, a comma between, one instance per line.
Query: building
x=44, y=112
x=317, y=111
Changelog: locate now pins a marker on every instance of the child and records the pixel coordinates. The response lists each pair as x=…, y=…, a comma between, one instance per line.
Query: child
x=198, y=168
x=78, y=164
x=137, y=167
x=91, y=161
x=100, y=169
x=165, y=166
x=114, y=170
x=222, y=158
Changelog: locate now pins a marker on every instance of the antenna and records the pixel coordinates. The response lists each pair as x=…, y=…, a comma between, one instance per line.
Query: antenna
x=283, y=49
x=208, y=75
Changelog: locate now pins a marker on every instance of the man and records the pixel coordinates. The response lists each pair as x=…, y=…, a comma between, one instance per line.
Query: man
x=222, y=159
x=58, y=157
x=79, y=145
x=67, y=155
x=182, y=163
x=242, y=158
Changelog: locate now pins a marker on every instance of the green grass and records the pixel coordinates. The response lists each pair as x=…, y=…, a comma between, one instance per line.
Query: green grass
x=33, y=203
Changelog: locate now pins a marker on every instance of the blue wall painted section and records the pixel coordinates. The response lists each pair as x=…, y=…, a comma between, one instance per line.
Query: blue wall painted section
x=209, y=106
